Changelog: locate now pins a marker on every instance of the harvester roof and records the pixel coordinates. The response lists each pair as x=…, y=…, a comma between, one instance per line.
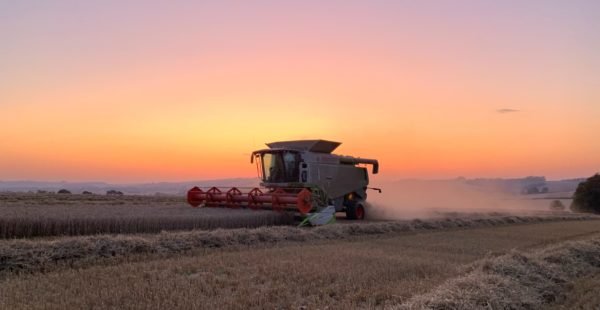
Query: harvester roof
x=317, y=146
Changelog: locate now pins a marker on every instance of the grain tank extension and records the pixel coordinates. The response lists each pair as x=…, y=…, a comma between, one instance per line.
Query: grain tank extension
x=302, y=176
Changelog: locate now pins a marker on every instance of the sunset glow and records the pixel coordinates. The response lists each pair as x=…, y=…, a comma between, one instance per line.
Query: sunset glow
x=145, y=91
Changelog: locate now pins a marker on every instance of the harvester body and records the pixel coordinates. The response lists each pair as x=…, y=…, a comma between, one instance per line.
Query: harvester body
x=301, y=175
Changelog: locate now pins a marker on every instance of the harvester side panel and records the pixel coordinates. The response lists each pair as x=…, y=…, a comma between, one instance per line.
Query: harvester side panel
x=340, y=180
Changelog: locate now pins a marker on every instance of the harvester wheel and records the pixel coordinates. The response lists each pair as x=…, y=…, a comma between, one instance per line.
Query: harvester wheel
x=355, y=212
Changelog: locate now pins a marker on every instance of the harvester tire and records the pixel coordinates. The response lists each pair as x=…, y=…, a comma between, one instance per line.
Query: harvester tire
x=355, y=212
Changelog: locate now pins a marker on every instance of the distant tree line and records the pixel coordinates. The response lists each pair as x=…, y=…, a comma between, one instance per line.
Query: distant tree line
x=110, y=192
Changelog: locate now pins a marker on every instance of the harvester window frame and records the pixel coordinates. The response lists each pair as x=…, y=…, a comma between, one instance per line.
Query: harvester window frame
x=259, y=165
x=284, y=166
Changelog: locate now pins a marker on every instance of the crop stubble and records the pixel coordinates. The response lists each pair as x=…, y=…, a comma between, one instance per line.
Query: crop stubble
x=364, y=270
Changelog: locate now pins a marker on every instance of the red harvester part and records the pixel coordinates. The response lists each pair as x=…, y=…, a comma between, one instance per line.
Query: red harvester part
x=279, y=199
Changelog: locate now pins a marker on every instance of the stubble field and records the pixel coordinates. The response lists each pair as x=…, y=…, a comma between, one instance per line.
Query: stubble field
x=347, y=265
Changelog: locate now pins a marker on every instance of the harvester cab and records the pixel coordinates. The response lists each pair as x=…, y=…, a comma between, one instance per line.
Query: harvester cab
x=301, y=176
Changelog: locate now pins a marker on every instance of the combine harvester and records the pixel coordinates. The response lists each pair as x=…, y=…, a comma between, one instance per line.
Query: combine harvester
x=302, y=176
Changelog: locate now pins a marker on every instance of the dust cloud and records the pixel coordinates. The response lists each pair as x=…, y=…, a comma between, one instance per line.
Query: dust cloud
x=409, y=199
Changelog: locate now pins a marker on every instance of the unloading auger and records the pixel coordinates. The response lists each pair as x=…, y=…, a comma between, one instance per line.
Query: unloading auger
x=302, y=176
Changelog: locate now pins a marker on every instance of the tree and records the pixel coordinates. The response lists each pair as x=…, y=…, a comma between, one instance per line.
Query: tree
x=531, y=190
x=64, y=191
x=113, y=192
x=557, y=205
x=587, y=195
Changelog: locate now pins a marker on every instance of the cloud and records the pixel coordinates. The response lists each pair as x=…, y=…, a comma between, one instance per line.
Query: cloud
x=505, y=110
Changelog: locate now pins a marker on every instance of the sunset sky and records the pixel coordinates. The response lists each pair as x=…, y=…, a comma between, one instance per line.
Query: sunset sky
x=130, y=91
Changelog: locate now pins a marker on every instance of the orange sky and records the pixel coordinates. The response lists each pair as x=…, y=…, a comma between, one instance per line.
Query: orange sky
x=141, y=91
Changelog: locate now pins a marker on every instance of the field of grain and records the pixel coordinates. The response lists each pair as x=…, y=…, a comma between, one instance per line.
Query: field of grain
x=25, y=256
x=363, y=271
x=582, y=293
x=521, y=280
x=38, y=215
x=181, y=257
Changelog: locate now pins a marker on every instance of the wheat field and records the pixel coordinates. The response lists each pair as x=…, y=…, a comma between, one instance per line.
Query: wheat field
x=40, y=215
x=365, y=271
x=161, y=253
